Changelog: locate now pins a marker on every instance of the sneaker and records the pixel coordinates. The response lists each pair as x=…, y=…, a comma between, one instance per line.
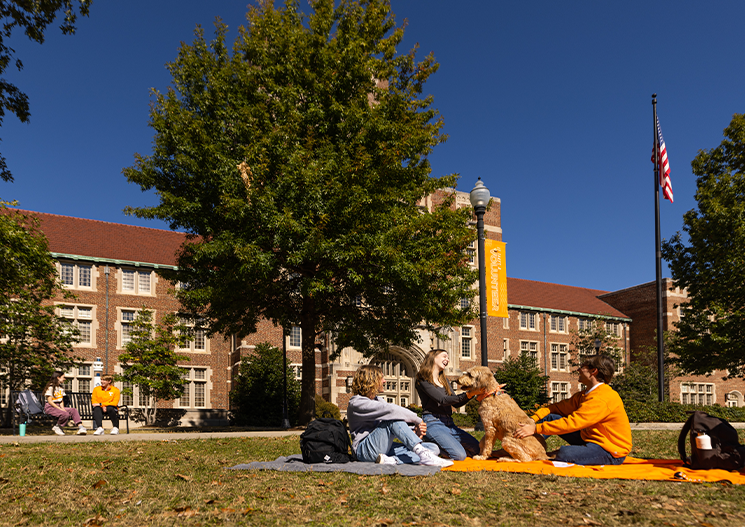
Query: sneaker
x=57, y=430
x=428, y=458
x=82, y=431
x=99, y=431
x=382, y=459
x=114, y=431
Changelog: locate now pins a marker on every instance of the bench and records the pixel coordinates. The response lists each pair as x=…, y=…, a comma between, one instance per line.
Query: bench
x=81, y=401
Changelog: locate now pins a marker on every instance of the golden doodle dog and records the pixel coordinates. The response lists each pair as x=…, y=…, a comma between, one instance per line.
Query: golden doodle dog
x=501, y=416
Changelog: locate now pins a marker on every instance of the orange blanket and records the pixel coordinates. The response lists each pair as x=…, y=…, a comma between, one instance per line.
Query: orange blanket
x=632, y=468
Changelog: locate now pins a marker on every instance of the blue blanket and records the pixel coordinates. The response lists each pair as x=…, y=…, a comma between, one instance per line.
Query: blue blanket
x=295, y=463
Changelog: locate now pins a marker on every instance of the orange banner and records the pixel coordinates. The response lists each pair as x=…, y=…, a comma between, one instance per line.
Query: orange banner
x=496, y=279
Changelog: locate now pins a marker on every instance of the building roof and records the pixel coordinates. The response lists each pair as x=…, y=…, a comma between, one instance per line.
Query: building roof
x=575, y=300
x=102, y=240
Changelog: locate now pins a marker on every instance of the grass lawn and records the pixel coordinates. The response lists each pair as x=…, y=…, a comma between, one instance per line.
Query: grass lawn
x=184, y=482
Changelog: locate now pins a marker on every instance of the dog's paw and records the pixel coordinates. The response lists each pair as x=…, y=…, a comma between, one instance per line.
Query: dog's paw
x=480, y=458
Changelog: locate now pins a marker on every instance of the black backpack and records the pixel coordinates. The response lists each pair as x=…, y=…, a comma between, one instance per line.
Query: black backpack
x=326, y=440
x=726, y=452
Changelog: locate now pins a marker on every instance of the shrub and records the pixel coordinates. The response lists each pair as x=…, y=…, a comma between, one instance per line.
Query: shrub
x=257, y=398
x=327, y=409
x=667, y=412
x=416, y=409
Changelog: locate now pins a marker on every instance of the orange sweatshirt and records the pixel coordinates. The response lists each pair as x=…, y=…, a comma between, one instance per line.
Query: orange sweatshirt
x=599, y=415
x=103, y=397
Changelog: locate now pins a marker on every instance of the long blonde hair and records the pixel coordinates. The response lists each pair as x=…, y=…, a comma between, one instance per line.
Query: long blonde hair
x=366, y=380
x=425, y=372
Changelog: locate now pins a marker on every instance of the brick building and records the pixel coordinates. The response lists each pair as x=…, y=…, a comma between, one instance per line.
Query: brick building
x=640, y=303
x=113, y=271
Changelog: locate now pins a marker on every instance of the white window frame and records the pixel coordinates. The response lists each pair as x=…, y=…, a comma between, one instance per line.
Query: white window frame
x=559, y=391
x=80, y=379
x=295, y=337
x=613, y=328
x=196, y=328
x=698, y=393
x=585, y=324
x=121, y=323
x=529, y=321
x=137, y=281
x=197, y=376
x=76, y=269
x=466, y=342
x=558, y=324
x=531, y=347
x=298, y=369
x=559, y=357
x=75, y=314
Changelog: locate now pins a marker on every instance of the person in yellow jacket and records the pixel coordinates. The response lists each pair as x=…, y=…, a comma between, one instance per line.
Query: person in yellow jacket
x=105, y=400
x=593, y=421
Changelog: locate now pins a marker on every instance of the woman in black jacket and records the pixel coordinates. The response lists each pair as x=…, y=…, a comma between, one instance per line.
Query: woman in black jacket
x=438, y=401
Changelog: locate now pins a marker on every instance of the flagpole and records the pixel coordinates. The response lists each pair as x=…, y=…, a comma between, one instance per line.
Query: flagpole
x=658, y=257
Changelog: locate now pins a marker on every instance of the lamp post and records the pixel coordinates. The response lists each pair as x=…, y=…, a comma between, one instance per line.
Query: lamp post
x=479, y=200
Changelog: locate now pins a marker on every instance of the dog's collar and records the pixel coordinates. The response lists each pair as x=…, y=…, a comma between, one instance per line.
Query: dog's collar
x=484, y=395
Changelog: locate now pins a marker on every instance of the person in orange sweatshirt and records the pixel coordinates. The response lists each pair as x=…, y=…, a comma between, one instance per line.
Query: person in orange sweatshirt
x=593, y=421
x=105, y=400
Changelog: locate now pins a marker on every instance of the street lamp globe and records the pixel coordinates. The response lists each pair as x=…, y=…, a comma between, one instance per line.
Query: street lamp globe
x=480, y=195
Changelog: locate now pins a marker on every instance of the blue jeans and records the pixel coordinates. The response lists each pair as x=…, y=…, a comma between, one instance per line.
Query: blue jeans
x=380, y=441
x=579, y=451
x=456, y=442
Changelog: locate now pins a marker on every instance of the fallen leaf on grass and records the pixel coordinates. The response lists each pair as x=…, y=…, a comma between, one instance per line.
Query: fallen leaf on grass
x=100, y=483
x=590, y=522
x=215, y=482
x=184, y=477
x=96, y=521
x=210, y=501
x=455, y=492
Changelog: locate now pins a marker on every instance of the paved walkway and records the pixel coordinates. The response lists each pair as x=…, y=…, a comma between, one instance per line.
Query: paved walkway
x=178, y=436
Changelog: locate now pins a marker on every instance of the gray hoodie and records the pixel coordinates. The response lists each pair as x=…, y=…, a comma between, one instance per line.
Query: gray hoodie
x=365, y=414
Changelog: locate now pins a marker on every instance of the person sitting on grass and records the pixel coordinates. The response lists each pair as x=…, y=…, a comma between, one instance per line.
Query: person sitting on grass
x=593, y=421
x=105, y=400
x=374, y=424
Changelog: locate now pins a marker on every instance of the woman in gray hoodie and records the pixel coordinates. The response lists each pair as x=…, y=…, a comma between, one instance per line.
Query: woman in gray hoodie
x=374, y=424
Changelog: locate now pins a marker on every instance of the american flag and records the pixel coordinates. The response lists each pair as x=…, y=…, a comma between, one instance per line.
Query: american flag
x=664, y=166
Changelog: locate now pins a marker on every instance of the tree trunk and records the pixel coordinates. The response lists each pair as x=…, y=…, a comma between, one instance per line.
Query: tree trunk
x=308, y=387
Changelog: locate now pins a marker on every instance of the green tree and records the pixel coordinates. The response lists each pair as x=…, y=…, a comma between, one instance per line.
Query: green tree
x=525, y=383
x=711, y=265
x=32, y=17
x=257, y=397
x=639, y=380
x=33, y=340
x=593, y=340
x=150, y=361
x=299, y=164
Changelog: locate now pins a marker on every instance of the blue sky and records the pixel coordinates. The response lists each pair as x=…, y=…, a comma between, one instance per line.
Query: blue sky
x=548, y=102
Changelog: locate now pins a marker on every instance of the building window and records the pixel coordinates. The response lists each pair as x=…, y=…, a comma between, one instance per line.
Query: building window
x=734, y=399
x=506, y=323
x=528, y=321
x=506, y=346
x=465, y=304
x=126, y=318
x=529, y=348
x=559, y=391
x=195, y=391
x=295, y=339
x=80, y=317
x=136, y=282
x=471, y=253
x=466, y=342
x=198, y=340
x=559, y=357
x=79, y=379
x=76, y=276
x=297, y=370
x=697, y=393
x=134, y=400
x=614, y=328
x=586, y=324
x=558, y=324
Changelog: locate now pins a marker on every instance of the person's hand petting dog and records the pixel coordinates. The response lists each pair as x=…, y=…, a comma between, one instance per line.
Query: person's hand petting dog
x=524, y=430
